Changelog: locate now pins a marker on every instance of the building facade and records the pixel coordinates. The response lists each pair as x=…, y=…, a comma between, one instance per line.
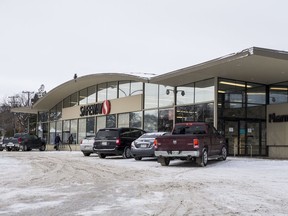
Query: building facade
x=245, y=95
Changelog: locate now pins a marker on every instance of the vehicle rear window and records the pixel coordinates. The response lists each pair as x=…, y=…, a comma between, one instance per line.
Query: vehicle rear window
x=107, y=134
x=190, y=129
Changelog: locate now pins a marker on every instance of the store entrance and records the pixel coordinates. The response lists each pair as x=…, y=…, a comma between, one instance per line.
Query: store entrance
x=246, y=138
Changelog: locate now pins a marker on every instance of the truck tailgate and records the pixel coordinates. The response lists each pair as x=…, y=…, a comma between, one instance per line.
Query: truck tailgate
x=176, y=143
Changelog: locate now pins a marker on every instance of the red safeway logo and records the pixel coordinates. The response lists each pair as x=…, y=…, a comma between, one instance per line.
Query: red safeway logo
x=106, y=107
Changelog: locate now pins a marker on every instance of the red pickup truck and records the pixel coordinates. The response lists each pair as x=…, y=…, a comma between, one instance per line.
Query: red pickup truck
x=196, y=141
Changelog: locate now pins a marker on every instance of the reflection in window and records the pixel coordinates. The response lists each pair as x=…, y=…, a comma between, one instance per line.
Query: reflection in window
x=74, y=130
x=256, y=94
x=66, y=102
x=185, y=114
x=112, y=90
x=278, y=94
x=101, y=122
x=73, y=100
x=151, y=120
x=135, y=119
x=43, y=116
x=166, y=117
x=102, y=92
x=83, y=96
x=52, y=132
x=111, y=121
x=82, y=129
x=136, y=88
x=123, y=120
x=166, y=96
x=151, y=95
x=204, y=112
x=204, y=91
x=185, y=94
x=91, y=95
x=124, y=89
x=90, y=126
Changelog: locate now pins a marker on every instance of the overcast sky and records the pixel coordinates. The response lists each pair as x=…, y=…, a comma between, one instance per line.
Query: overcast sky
x=46, y=42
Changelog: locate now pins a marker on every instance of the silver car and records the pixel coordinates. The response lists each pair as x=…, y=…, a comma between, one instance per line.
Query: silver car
x=144, y=145
x=86, y=146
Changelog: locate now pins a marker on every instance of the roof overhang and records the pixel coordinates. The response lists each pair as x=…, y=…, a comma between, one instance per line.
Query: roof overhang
x=62, y=91
x=252, y=65
x=28, y=110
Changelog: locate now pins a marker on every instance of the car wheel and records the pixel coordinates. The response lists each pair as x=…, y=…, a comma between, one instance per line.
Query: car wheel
x=102, y=156
x=223, y=153
x=164, y=161
x=86, y=153
x=138, y=158
x=203, y=160
x=8, y=149
x=127, y=152
x=42, y=148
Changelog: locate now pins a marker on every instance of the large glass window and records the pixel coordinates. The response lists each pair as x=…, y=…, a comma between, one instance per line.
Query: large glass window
x=101, y=92
x=278, y=93
x=185, y=94
x=111, y=121
x=165, y=121
x=123, y=120
x=112, y=90
x=66, y=129
x=166, y=96
x=124, y=89
x=43, y=116
x=73, y=100
x=82, y=129
x=52, y=132
x=136, y=119
x=91, y=95
x=74, y=130
x=66, y=102
x=204, y=91
x=90, y=126
x=256, y=94
x=151, y=120
x=151, y=95
x=185, y=114
x=83, y=94
x=101, y=122
x=204, y=112
x=136, y=88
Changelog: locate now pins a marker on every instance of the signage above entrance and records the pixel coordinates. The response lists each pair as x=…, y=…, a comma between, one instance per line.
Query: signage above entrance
x=96, y=109
x=278, y=118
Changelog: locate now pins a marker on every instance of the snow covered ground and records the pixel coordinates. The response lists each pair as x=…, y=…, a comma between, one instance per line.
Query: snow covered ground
x=67, y=183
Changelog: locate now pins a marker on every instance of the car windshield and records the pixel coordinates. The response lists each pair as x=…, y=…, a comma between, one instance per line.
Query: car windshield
x=107, y=134
x=150, y=135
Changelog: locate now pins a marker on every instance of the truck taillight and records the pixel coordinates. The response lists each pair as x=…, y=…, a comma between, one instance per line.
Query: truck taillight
x=19, y=140
x=196, y=143
x=118, y=142
x=155, y=143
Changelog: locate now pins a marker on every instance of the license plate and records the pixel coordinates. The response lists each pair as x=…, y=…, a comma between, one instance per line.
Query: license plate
x=143, y=145
x=104, y=143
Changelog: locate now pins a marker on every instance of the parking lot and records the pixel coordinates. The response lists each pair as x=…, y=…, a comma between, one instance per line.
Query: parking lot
x=67, y=183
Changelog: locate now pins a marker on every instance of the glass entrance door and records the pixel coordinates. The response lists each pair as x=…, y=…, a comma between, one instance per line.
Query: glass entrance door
x=232, y=136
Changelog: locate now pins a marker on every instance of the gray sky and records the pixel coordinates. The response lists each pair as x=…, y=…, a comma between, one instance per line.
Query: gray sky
x=46, y=42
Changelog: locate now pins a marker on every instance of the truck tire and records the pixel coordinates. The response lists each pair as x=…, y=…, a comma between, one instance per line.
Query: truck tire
x=102, y=156
x=164, y=161
x=42, y=148
x=137, y=158
x=203, y=160
x=86, y=154
x=223, y=153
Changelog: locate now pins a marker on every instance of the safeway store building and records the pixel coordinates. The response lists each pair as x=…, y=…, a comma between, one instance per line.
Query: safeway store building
x=245, y=95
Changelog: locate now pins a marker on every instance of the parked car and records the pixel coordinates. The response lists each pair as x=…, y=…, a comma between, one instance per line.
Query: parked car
x=28, y=142
x=195, y=141
x=144, y=145
x=86, y=145
x=116, y=141
x=11, y=144
x=2, y=145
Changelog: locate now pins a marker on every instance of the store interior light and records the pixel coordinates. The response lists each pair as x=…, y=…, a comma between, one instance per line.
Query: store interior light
x=235, y=84
x=279, y=88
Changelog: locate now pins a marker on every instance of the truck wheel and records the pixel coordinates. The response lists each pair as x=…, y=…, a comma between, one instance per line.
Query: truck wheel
x=42, y=148
x=164, y=161
x=86, y=154
x=223, y=153
x=138, y=158
x=102, y=156
x=203, y=160
x=127, y=152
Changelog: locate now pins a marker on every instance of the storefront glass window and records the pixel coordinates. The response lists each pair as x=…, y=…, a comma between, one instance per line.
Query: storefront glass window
x=73, y=100
x=185, y=114
x=166, y=96
x=59, y=111
x=90, y=126
x=82, y=129
x=151, y=95
x=74, y=130
x=165, y=122
x=204, y=112
x=135, y=119
x=204, y=91
x=124, y=89
x=151, y=120
x=136, y=88
x=66, y=102
x=101, y=122
x=83, y=94
x=91, y=95
x=278, y=93
x=59, y=129
x=123, y=120
x=43, y=116
x=111, y=121
x=101, y=92
x=112, y=90
x=53, y=114
x=256, y=94
x=185, y=94
x=52, y=132
x=66, y=129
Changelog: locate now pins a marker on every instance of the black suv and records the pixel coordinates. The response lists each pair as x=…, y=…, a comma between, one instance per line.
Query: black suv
x=28, y=142
x=115, y=141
